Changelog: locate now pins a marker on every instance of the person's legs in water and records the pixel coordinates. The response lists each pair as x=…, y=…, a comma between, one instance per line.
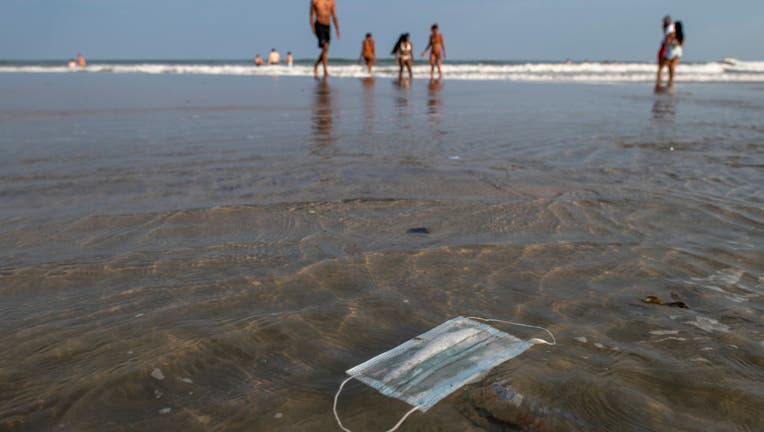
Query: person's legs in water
x=435, y=62
x=322, y=59
x=408, y=66
x=670, y=67
x=659, y=77
x=323, y=33
x=672, y=70
x=661, y=63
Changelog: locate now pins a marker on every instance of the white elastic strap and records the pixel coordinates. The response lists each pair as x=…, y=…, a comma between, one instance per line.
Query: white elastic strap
x=337, y=417
x=535, y=340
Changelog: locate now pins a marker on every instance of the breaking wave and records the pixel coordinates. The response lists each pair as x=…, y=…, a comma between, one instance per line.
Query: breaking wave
x=728, y=70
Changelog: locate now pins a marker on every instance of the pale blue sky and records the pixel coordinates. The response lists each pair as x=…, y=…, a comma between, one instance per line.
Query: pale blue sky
x=474, y=29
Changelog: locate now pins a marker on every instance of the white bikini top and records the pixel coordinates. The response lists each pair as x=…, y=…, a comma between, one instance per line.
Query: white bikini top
x=406, y=48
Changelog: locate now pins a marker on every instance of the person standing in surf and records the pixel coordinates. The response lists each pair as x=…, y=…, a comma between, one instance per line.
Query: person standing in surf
x=322, y=13
x=404, y=55
x=368, y=52
x=437, y=50
x=274, y=57
x=674, y=51
x=669, y=34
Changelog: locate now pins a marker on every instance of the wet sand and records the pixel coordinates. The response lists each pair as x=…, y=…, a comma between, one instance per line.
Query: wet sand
x=247, y=236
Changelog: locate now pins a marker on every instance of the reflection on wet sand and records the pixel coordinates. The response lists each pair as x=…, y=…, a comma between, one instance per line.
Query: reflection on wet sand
x=664, y=108
x=434, y=101
x=323, y=118
x=433, y=96
x=403, y=88
x=182, y=278
x=368, y=103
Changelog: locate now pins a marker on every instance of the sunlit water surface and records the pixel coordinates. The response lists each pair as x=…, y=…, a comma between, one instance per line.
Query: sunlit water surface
x=248, y=238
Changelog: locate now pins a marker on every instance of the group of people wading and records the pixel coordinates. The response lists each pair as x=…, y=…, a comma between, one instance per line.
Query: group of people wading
x=324, y=12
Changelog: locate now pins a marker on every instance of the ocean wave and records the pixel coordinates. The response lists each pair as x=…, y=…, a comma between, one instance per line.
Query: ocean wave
x=723, y=71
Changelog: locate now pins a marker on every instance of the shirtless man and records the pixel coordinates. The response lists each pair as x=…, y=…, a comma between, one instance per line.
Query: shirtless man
x=274, y=57
x=322, y=13
x=437, y=50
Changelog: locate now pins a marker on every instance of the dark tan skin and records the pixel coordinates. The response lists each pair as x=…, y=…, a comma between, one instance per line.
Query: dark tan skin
x=437, y=48
x=324, y=12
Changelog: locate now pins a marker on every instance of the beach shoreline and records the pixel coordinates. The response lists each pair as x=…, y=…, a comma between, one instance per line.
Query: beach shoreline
x=726, y=70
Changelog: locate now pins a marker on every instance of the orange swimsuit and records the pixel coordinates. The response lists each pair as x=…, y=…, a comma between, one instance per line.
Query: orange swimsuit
x=368, y=49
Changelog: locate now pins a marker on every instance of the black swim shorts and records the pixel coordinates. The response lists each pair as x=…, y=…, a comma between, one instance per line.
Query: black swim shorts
x=323, y=33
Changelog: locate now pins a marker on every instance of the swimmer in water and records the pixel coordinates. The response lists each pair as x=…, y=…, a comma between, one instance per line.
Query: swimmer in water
x=274, y=57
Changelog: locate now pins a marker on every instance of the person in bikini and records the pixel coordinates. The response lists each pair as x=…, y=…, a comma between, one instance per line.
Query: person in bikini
x=437, y=50
x=669, y=34
x=368, y=52
x=404, y=54
x=322, y=13
x=674, y=51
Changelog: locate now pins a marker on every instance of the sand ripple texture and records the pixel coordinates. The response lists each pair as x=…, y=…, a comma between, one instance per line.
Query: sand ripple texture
x=185, y=254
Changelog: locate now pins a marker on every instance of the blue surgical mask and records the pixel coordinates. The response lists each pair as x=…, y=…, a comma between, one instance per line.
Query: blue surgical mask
x=424, y=370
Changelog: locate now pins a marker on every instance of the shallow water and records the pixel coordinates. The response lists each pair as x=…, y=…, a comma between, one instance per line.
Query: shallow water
x=248, y=237
x=727, y=70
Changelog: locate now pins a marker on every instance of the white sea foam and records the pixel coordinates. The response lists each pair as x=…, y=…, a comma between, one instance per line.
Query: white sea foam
x=552, y=72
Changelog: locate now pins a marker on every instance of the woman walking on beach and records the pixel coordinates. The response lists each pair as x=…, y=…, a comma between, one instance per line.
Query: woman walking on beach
x=404, y=54
x=368, y=52
x=437, y=48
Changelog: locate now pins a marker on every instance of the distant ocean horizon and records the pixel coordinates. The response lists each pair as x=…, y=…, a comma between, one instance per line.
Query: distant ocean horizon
x=724, y=70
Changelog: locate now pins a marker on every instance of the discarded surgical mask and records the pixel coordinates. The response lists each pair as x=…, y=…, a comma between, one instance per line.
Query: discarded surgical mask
x=424, y=370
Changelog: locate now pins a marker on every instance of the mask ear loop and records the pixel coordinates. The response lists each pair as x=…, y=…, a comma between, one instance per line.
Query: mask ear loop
x=534, y=340
x=337, y=417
